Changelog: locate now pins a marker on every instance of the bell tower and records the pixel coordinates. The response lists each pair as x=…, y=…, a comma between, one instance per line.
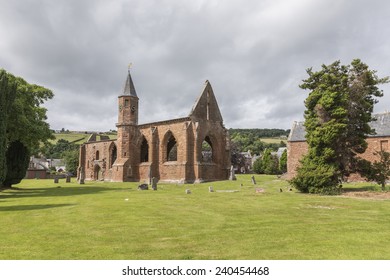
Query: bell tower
x=128, y=104
x=127, y=131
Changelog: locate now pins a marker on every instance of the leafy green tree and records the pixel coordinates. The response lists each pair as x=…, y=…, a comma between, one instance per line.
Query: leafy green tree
x=27, y=118
x=338, y=111
x=283, y=162
x=379, y=171
x=250, y=139
x=7, y=91
x=56, y=150
x=258, y=166
x=256, y=147
x=270, y=163
x=236, y=158
x=25, y=124
x=71, y=158
x=18, y=158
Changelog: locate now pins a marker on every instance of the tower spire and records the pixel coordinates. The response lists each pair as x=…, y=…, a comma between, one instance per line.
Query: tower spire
x=129, y=88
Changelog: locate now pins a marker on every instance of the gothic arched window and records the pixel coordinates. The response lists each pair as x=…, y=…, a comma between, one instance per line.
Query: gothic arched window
x=113, y=155
x=144, y=151
x=207, y=150
x=171, y=149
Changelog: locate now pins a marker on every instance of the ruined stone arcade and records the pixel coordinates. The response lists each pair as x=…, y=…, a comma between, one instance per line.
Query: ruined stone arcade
x=195, y=148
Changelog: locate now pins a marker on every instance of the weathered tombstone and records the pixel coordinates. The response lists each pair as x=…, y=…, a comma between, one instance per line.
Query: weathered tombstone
x=232, y=176
x=253, y=180
x=280, y=190
x=188, y=191
x=68, y=179
x=211, y=189
x=143, y=187
x=154, y=183
x=81, y=176
x=56, y=179
x=150, y=175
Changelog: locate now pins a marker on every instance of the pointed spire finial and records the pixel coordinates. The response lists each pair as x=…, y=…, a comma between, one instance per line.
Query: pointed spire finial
x=129, y=88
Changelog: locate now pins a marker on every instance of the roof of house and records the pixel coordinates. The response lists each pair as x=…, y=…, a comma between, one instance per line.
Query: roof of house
x=381, y=125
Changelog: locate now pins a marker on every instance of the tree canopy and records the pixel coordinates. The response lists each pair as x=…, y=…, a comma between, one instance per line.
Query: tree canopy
x=338, y=111
x=250, y=139
x=23, y=126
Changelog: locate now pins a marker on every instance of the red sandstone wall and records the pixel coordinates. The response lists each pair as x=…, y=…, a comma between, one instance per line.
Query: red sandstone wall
x=296, y=150
x=188, y=167
x=91, y=162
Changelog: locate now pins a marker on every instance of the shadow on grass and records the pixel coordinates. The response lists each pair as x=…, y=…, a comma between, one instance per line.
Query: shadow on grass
x=360, y=189
x=57, y=191
x=32, y=207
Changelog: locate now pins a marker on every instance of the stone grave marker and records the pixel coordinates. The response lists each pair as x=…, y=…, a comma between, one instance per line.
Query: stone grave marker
x=232, y=176
x=154, y=183
x=253, y=180
x=82, y=176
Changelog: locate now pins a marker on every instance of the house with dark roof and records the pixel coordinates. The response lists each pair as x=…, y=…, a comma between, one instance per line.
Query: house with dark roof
x=297, y=146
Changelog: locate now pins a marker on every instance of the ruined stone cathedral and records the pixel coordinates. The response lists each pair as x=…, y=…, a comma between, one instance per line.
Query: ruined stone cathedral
x=191, y=149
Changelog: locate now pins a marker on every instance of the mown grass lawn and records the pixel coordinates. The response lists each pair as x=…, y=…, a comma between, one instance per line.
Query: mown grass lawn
x=43, y=220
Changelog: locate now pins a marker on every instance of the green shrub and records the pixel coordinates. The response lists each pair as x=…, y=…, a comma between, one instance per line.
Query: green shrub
x=316, y=177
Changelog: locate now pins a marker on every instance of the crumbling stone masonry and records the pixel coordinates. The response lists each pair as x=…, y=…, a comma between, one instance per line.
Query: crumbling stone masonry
x=195, y=148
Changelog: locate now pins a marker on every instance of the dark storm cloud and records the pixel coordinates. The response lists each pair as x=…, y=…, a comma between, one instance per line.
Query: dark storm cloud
x=254, y=53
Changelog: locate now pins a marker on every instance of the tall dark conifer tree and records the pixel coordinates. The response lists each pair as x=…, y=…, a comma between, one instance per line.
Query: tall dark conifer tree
x=338, y=111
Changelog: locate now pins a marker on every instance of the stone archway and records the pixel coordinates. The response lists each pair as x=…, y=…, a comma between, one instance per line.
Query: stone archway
x=97, y=173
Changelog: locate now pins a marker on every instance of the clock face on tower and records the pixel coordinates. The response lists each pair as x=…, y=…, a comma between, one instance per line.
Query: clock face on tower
x=133, y=108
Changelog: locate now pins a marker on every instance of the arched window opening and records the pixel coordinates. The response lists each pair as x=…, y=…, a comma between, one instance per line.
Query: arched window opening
x=113, y=156
x=144, y=151
x=172, y=149
x=97, y=155
x=207, y=150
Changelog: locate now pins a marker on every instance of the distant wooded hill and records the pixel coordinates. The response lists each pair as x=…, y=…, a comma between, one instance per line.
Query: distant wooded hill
x=259, y=132
x=257, y=139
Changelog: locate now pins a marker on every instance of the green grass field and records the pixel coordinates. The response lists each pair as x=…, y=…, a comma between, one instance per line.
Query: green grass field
x=274, y=140
x=77, y=138
x=43, y=220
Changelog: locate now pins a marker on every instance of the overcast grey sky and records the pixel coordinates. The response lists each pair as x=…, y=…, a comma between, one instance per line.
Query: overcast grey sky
x=254, y=53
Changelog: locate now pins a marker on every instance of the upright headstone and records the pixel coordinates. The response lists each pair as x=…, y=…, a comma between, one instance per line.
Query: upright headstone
x=154, y=183
x=211, y=189
x=188, y=191
x=68, y=179
x=81, y=175
x=150, y=175
x=56, y=180
x=232, y=176
x=253, y=180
